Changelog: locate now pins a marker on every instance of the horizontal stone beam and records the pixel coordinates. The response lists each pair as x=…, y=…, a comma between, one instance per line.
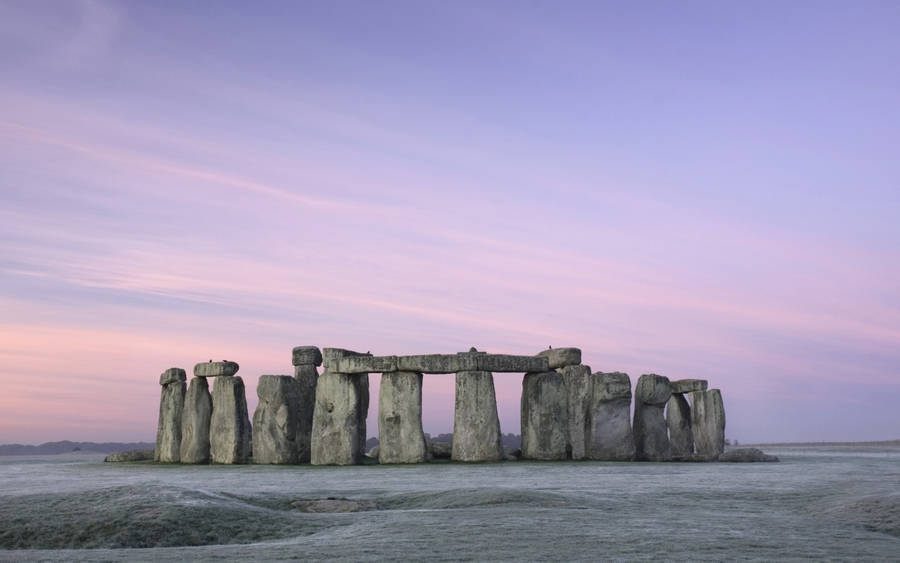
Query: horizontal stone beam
x=442, y=363
x=688, y=385
x=216, y=369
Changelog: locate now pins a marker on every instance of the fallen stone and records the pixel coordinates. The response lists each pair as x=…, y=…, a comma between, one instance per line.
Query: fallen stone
x=216, y=369
x=276, y=421
x=708, y=423
x=476, y=426
x=195, y=422
x=746, y=455
x=172, y=375
x=339, y=420
x=130, y=455
x=306, y=356
x=331, y=357
x=400, y=435
x=333, y=504
x=229, y=430
x=171, y=407
x=678, y=418
x=307, y=377
x=545, y=416
x=651, y=436
x=578, y=389
x=561, y=357
x=512, y=454
x=688, y=385
x=609, y=431
x=440, y=450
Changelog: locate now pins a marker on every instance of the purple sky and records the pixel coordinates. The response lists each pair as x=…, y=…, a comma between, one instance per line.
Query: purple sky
x=693, y=189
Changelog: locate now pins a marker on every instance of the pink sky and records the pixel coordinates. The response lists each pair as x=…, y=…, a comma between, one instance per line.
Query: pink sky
x=672, y=195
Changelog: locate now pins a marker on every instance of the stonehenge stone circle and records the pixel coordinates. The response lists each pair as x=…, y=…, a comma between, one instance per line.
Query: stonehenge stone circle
x=678, y=418
x=708, y=423
x=476, y=426
x=561, y=357
x=578, y=388
x=305, y=360
x=195, y=422
x=171, y=407
x=216, y=369
x=276, y=421
x=545, y=416
x=229, y=429
x=401, y=439
x=609, y=430
x=651, y=436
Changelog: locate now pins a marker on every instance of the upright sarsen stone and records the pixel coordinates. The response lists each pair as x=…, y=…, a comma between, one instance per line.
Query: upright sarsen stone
x=195, y=422
x=651, y=436
x=276, y=422
x=305, y=360
x=545, y=416
x=609, y=431
x=708, y=423
x=678, y=418
x=339, y=422
x=229, y=431
x=476, y=426
x=578, y=389
x=171, y=406
x=400, y=435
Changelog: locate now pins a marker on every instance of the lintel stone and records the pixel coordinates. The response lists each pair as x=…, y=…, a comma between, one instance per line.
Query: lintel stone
x=688, y=385
x=562, y=357
x=331, y=357
x=172, y=375
x=216, y=369
x=442, y=363
x=306, y=356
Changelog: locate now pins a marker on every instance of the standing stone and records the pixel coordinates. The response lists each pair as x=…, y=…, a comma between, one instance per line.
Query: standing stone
x=609, y=433
x=545, y=416
x=678, y=417
x=708, y=423
x=276, y=421
x=651, y=436
x=171, y=407
x=195, y=422
x=339, y=421
x=578, y=381
x=476, y=426
x=229, y=430
x=305, y=360
x=400, y=435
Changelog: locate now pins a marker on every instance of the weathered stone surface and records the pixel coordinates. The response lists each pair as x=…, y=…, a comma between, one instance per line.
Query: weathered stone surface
x=306, y=356
x=651, y=436
x=746, y=455
x=172, y=375
x=168, y=429
x=678, y=418
x=688, y=385
x=229, y=430
x=276, y=421
x=216, y=369
x=130, y=455
x=331, y=357
x=440, y=450
x=476, y=426
x=545, y=416
x=332, y=504
x=339, y=421
x=400, y=435
x=609, y=433
x=578, y=388
x=195, y=422
x=440, y=363
x=561, y=357
x=306, y=376
x=708, y=423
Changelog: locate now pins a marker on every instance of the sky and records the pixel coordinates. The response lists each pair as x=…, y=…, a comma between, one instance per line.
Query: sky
x=695, y=189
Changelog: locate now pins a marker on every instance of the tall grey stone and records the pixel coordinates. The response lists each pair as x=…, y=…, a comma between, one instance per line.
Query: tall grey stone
x=678, y=418
x=400, y=435
x=578, y=389
x=545, y=416
x=305, y=360
x=651, y=436
x=339, y=421
x=476, y=426
x=229, y=430
x=195, y=422
x=708, y=423
x=276, y=421
x=171, y=407
x=609, y=432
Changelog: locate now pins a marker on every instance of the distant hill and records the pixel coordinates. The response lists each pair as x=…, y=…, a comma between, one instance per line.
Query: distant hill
x=66, y=447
